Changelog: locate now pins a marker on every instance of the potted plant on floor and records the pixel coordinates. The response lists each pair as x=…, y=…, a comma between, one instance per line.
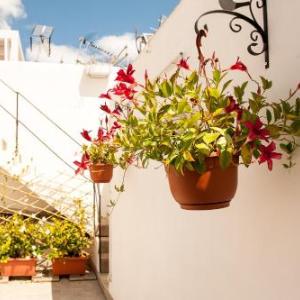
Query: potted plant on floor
x=201, y=125
x=19, y=246
x=67, y=244
x=99, y=156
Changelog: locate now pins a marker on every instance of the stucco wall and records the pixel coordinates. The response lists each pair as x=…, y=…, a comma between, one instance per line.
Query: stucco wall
x=248, y=251
x=58, y=90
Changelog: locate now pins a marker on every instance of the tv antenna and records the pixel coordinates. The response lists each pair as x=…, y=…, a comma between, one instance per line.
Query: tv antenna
x=114, y=59
x=42, y=34
x=141, y=40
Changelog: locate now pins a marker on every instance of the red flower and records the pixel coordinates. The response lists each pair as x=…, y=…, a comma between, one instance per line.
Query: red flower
x=117, y=111
x=105, y=95
x=100, y=134
x=256, y=131
x=183, y=64
x=267, y=154
x=105, y=108
x=239, y=66
x=122, y=90
x=85, y=134
x=116, y=125
x=234, y=107
x=126, y=76
x=83, y=164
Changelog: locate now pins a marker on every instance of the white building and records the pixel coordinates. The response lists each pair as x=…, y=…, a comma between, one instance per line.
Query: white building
x=159, y=251
x=250, y=250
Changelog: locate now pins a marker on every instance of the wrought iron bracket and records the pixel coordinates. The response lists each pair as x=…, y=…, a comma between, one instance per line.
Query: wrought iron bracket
x=259, y=31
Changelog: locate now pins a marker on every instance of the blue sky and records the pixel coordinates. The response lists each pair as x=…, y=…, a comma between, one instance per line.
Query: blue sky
x=74, y=18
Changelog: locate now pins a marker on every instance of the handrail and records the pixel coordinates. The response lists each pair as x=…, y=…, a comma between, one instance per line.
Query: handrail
x=38, y=138
x=40, y=111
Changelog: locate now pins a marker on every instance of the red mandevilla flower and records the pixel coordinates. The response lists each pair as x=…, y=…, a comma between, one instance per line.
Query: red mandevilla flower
x=234, y=107
x=117, y=111
x=256, y=131
x=105, y=108
x=239, y=66
x=268, y=154
x=116, y=125
x=122, y=89
x=86, y=134
x=126, y=76
x=105, y=95
x=100, y=134
x=83, y=164
x=183, y=64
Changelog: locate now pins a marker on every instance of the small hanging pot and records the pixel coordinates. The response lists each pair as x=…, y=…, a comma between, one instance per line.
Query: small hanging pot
x=212, y=189
x=101, y=173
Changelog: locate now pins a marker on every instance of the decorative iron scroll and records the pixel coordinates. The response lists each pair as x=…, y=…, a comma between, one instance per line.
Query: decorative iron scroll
x=260, y=31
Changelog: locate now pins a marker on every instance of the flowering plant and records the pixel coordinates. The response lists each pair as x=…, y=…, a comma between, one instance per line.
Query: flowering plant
x=20, y=238
x=101, y=149
x=194, y=114
x=66, y=238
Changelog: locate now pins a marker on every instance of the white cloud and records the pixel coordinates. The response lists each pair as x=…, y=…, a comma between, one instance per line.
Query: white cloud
x=68, y=54
x=115, y=44
x=10, y=9
x=59, y=54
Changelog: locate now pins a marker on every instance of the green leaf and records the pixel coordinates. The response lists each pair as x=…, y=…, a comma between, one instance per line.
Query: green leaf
x=208, y=138
x=203, y=148
x=188, y=156
x=269, y=116
x=225, y=159
x=216, y=75
x=163, y=110
x=273, y=130
x=225, y=86
x=165, y=89
x=199, y=166
x=266, y=83
x=288, y=148
x=213, y=92
x=246, y=154
x=239, y=91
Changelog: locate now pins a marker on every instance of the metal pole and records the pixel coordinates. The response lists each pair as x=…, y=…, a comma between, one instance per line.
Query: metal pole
x=17, y=125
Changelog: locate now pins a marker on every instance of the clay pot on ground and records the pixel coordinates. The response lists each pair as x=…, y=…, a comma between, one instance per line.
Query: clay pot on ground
x=101, y=173
x=69, y=265
x=18, y=267
x=212, y=189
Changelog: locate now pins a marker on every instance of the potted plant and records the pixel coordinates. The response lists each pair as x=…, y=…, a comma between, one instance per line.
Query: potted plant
x=202, y=125
x=20, y=244
x=99, y=156
x=67, y=242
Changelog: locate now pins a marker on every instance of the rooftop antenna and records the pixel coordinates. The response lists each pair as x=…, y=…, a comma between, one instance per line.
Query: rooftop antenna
x=113, y=58
x=141, y=40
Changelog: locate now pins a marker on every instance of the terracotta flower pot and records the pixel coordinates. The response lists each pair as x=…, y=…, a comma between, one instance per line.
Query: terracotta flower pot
x=69, y=265
x=18, y=267
x=101, y=173
x=210, y=190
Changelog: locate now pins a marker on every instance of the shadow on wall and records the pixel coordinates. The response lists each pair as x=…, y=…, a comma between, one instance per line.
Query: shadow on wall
x=92, y=83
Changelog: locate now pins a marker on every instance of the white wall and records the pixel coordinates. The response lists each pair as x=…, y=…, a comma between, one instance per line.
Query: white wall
x=69, y=97
x=250, y=250
x=59, y=91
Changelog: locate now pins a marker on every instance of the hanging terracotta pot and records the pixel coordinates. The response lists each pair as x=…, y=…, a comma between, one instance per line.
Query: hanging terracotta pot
x=69, y=265
x=101, y=173
x=210, y=190
x=18, y=267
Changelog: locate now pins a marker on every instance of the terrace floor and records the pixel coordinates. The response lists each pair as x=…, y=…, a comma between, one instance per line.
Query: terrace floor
x=62, y=290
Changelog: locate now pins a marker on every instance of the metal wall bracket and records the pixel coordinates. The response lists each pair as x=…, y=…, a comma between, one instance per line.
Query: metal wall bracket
x=259, y=32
